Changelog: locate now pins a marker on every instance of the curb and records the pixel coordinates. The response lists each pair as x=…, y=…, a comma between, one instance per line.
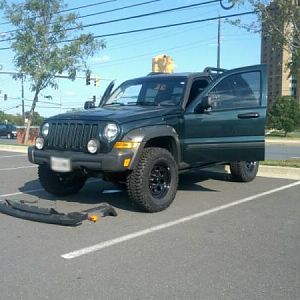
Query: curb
x=283, y=141
x=279, y=172
x=14, y=148
x=265, y=171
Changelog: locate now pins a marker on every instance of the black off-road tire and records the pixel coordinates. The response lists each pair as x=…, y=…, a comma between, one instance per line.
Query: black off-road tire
x=60, y=184
x=244, y=171
x=152, y=185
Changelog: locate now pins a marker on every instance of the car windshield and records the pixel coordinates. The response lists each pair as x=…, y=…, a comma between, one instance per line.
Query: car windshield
x=151, y=91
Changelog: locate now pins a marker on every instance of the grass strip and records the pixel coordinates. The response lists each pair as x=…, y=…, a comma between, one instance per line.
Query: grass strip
x=291, y=163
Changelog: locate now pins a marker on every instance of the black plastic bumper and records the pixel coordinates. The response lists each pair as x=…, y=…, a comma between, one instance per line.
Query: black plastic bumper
x=44, y=215
x=109, y=162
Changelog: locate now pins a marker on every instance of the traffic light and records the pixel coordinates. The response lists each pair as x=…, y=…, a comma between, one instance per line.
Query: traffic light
x=94, y=99
x=88, y=77
x=5, y=97
x=97, y=81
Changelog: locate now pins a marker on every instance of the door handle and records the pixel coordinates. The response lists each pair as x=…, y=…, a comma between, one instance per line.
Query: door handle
x=251, y=115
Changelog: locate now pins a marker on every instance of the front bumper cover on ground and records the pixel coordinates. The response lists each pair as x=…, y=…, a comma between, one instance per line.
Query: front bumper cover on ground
x=44, y=215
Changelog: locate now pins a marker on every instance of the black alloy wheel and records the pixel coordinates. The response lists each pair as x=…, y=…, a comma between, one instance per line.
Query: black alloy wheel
x=159, y=180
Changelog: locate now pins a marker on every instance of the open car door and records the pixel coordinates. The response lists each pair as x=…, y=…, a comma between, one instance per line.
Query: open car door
x=107, y=93
x=232, y=127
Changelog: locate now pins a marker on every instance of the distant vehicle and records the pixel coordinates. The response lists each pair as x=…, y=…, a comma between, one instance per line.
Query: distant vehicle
x=8, y=130
x=150, y=128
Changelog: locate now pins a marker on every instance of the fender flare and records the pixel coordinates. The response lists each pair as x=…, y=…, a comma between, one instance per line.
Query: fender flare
x=145, y=134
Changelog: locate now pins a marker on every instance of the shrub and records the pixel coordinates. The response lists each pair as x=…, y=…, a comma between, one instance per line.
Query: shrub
x=285, y=114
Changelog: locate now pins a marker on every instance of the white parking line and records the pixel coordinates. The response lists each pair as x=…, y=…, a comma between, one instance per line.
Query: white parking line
x=19, y=193
x=9, y=156
x=17, y=168
x=140, y=233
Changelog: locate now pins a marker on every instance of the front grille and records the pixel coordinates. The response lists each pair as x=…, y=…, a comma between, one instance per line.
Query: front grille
x=71, y=135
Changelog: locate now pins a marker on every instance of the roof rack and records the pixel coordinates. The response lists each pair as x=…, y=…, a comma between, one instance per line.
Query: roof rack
x=211, y=70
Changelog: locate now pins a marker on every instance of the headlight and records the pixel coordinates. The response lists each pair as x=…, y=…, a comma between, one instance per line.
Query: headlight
x=45, y=129
x=39, y=143
x=110, y=131
x=93, y=146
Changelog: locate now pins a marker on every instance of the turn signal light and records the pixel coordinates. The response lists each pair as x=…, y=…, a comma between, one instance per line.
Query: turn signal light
x=127, y=162
x=126, y=145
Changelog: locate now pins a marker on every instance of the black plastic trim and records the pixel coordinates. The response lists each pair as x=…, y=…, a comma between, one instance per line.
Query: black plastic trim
x=112, y=161
x=44, y=215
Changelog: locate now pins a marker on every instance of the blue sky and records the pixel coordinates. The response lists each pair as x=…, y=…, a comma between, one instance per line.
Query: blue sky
x=193, y=47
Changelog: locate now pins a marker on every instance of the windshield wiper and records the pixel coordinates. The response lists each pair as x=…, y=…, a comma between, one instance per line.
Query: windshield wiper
x=113, y=103
x=147, y=104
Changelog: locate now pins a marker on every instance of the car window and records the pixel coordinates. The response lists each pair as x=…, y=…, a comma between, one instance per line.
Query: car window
x=130, y=94
x=237, y=91
x=197, y=87
x=2, y=127
x=149, y=91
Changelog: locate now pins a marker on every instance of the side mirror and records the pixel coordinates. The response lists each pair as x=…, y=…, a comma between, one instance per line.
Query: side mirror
x=89, y=104
x=205, y=103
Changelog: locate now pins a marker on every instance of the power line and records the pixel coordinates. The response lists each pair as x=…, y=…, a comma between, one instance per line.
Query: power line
x=117, y=9
x=88, y=5
x=147, y=14
x=74, y=8
x=158, y=27
x=136, y=16
x=103, y=12
x=138, y=41
x=164, y=26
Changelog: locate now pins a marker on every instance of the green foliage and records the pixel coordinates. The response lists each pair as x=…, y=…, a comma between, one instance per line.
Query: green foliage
x=13, y=119
x=284, y=114
x=38, y=43
x=278, y=17
x=47, y=43
x=37, y=119
x=18, y=120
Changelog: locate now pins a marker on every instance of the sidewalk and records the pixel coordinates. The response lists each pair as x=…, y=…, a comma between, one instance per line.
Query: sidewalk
x=14, y=148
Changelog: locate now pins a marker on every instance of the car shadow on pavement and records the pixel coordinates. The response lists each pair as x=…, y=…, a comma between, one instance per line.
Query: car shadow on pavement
x=97, y=191
x=191, y=180
x=91, y=196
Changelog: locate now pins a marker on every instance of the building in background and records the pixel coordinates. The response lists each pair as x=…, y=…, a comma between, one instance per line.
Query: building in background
x=280, y=83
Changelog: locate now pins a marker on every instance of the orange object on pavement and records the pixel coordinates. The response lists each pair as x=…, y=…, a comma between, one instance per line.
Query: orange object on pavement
x=93, y=218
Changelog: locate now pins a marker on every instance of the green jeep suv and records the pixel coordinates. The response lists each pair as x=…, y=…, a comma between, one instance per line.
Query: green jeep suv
x=149, y=129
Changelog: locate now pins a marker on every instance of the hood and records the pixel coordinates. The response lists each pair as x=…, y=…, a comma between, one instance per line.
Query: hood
x=118, y=114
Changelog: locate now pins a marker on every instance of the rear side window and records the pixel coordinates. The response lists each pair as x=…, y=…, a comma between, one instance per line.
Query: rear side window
x=237, y=91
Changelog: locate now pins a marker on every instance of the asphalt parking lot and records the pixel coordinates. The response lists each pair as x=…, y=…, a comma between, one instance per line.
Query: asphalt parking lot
x=219, y=240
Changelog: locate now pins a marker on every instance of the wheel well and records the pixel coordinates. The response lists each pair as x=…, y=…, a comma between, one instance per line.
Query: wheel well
x=165, y=142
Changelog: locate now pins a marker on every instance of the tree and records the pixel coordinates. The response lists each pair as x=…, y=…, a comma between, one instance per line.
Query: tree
x=37, y=119
x=13, y=119
x=284, y=114
x=280, y=20
x=47, y=42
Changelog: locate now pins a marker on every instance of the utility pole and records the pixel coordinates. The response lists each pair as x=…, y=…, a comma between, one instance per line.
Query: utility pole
x=219, y=44
x=23, y=106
